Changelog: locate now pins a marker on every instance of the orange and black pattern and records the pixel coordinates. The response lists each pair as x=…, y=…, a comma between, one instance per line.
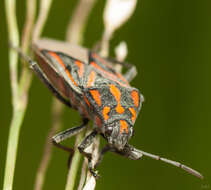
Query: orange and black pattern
x=95, y=89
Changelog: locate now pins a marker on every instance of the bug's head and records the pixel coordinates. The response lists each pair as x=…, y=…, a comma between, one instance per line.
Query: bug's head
x=118, y=133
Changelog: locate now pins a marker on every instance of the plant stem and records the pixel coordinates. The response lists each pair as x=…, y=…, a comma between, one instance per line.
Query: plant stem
x=17, y=114
x=42, y=17
x=10, y=6
x=74, y=35
x=12, y=148
x=83, y=174
x=71, y=178
x=90, y=179
x=78, y=22
x=28, y=26
x=19, y=91
x=57, y=108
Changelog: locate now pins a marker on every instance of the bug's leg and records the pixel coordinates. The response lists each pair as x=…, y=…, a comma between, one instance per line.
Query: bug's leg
x=58, y=138
x=38, y=71
x=128, y=152
x=134, y=154
x=105, y=149
x=132, y=71
x=88, y=140
x=129, y=75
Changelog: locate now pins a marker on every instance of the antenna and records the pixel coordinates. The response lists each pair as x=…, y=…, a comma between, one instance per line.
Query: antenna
x=177, y=164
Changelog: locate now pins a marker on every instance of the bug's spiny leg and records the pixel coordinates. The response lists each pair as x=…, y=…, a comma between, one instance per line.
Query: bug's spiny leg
x=58, y=138
x=133, y=151
x=88, y=140
x=130, y=74
x=38, y=71
x=105, y=149
x=69, y=132
x=132, y=71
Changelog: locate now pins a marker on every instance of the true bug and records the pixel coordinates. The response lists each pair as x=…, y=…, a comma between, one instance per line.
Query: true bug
x=84, y=81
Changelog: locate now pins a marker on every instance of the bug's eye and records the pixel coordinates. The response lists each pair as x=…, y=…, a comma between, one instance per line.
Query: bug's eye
x=108, y=131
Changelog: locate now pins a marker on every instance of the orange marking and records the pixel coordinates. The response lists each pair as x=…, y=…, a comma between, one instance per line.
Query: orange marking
x=91, y=79
x=63, y=65
x=98, y=121
x=135, y=97
x=117, y=94
x=80, y=67
x=123, y=126
x=106, y=110
x=96, y=95
x=133, y=114
x=112, y=76
x=87, y=102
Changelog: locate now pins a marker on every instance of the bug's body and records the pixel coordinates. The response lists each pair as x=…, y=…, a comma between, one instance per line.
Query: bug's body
x=96, y=90
x=88, y=83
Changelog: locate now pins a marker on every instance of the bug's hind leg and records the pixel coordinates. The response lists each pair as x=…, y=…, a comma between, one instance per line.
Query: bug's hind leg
x=84, y=144
x=58, y=138
x=130, y=73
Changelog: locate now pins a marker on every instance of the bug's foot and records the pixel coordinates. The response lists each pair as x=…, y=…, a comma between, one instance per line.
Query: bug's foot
x=94, y=173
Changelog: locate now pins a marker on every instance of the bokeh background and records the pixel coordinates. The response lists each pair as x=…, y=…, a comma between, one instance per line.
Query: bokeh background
x=170, y=43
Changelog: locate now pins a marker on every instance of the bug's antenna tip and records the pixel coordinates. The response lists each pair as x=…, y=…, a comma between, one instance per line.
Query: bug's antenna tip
x=192, y=171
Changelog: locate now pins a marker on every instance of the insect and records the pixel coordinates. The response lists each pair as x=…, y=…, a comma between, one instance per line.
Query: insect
x=86, y=82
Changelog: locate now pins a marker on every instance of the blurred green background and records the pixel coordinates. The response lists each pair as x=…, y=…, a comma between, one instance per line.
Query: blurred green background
x=170, y=43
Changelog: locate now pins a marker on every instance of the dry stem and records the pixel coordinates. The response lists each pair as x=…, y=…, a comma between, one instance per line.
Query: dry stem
x=74, y=35
x=78, y=22
x=19, y=90
x=56, y=124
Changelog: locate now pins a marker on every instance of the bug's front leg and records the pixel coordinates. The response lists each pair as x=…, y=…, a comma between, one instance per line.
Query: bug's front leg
x=105, y=149
x=84, y=144
x=128, y=151
x=58, y=138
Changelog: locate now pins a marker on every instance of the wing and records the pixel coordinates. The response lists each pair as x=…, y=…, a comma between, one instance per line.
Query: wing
x=64, y=66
